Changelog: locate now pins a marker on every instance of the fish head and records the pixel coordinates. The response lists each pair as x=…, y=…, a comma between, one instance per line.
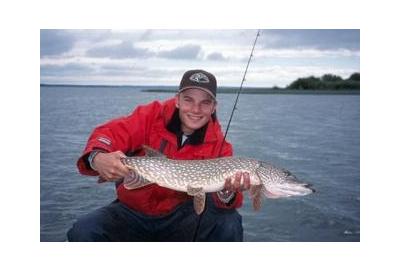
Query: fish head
x=278, y=182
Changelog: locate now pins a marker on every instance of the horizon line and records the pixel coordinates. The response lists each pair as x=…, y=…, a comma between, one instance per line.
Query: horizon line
x=139, y=85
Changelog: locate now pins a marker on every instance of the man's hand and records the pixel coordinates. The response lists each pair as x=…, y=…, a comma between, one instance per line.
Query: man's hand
x=109, y=166
x=240, y=182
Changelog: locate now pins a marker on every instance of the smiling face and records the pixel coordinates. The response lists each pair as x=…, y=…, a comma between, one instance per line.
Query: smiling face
x=195, y=109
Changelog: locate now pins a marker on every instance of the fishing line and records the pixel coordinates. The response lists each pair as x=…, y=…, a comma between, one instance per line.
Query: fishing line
x=238, y=93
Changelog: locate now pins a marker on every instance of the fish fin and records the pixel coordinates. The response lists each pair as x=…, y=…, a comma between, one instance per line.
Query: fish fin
x=101, y=180
x=151, y=152
x=199, y=198
x=135, y=181
x=255, y=196
x=193, y=191
x=199, y=202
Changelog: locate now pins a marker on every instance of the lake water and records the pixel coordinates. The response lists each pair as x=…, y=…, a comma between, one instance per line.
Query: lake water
x=316, y=137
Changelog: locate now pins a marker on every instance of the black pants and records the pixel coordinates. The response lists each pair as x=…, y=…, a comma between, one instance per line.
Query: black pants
x=117, y=222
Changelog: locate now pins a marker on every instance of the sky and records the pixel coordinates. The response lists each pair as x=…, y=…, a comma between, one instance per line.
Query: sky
x=160, y=57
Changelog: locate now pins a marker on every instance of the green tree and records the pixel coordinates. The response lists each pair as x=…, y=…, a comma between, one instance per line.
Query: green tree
x=306, y=83
x=355, y=77
x=326, y=82
x=331, y=78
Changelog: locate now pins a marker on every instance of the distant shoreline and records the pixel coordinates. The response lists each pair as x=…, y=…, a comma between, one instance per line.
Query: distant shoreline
x=89, y=85
x=328, y=84
x=221, y=90
x=266, y=91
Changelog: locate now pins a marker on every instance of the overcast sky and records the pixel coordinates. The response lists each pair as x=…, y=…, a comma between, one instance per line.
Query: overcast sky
x=160, y=57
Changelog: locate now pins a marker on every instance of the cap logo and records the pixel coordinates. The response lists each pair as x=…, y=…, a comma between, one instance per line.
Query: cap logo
x=199, y=78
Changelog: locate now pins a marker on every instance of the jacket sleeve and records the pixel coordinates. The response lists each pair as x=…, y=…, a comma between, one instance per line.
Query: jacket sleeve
x=237, y=200
x=123, y=134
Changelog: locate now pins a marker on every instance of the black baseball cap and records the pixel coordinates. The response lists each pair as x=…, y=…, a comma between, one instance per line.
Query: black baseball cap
x=199, y=79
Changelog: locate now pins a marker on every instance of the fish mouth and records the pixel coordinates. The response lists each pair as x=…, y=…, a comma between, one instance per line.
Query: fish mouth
x=289, y=190
x=310, y=187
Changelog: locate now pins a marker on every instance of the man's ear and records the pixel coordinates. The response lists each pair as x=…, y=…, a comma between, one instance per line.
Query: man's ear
x=177, y=101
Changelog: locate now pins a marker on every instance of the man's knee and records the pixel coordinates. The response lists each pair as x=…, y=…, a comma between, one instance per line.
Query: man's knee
x=223, y=227
x=85, y=229
x=230, y=228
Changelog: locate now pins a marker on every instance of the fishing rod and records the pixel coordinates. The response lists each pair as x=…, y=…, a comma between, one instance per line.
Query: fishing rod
x=230, y=119
x=238, y=93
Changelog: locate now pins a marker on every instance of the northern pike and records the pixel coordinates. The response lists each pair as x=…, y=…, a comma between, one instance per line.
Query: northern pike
x=197, y=177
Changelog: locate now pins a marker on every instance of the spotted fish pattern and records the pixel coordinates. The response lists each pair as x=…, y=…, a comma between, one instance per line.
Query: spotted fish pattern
x=197, y=177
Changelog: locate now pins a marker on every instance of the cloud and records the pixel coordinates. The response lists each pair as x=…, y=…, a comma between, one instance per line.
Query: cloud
x=183, y=52
x=327, y=39
x=67, y=69
x=216, y=56
x=55, y=42
x=123, y=50
x=145, y=56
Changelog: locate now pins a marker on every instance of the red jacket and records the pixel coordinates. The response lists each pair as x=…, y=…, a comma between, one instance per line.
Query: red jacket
x=147, y=125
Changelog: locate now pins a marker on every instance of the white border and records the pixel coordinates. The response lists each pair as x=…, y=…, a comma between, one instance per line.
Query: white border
x=20, y=110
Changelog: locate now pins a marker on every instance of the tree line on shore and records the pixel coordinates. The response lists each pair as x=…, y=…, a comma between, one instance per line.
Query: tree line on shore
x=327, y=82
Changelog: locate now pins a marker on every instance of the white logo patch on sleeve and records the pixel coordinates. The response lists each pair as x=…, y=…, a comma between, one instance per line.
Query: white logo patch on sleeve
x=104, y=140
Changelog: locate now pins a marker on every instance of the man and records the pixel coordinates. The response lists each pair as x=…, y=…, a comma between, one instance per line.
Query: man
x=184, y=127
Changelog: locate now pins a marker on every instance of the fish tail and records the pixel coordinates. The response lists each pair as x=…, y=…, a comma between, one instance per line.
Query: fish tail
x=135, y=181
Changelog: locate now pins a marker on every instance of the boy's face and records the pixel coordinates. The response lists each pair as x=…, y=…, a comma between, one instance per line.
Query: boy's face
x=195, y=109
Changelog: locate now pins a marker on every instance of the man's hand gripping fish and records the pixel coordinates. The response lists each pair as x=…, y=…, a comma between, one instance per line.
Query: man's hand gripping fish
x=197, y=177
